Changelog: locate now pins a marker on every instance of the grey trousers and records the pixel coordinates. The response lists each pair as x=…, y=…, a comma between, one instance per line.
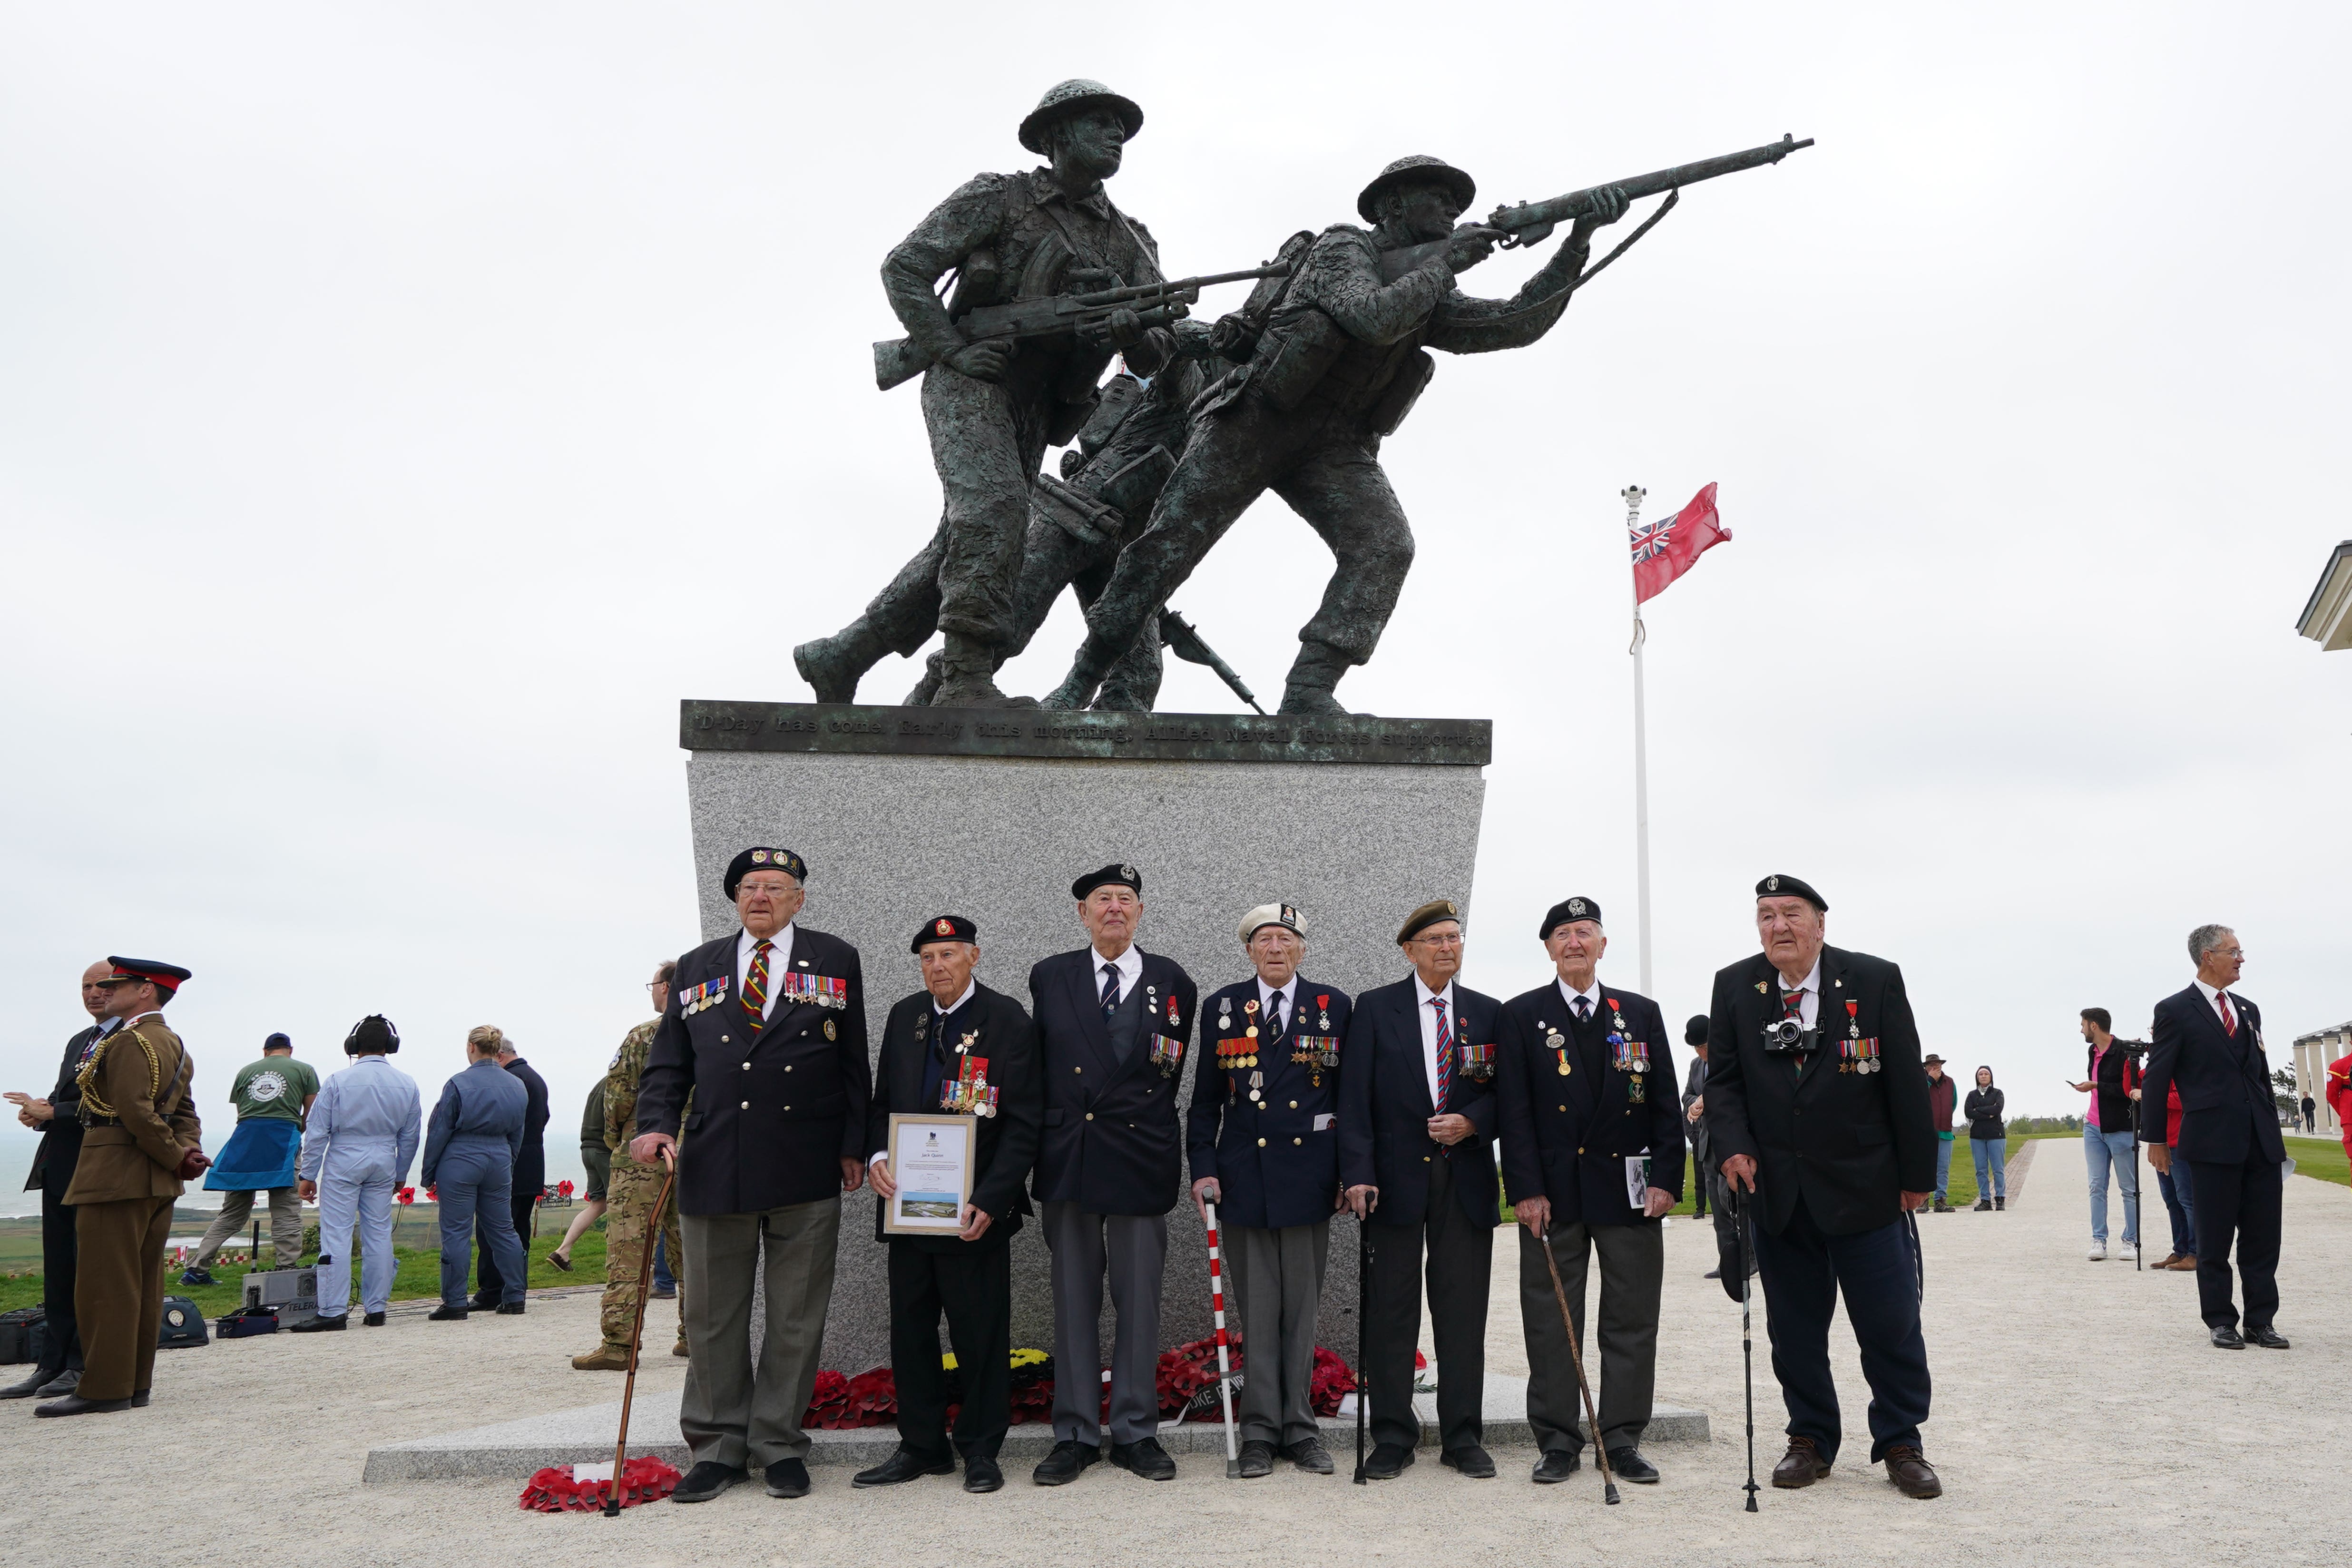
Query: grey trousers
x=729, y=1413
x=285, y=1226
x=1278, y=1274
x=1133, y=1251
x=1632, y=1267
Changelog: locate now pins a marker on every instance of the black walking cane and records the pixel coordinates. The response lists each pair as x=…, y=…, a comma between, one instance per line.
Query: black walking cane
x=1747, y=1339
x=1576, y=1359
x=1363, y=1315
x=637, y=1333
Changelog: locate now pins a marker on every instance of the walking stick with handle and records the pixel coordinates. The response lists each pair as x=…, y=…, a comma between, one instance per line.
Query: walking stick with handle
x=1747, y=1339
x=637, y=1333
x=1364, y=1312
x=1217, y=1307
x=1576, y=1358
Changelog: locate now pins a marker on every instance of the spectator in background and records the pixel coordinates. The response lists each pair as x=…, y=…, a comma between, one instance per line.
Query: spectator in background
x=272, y=1097
x=529, y=1180
x=2310, y=1114
x=357, y=1144
x=1942, y=1092
x=1695, y=1114
x=597, y=1160
x=1988, y=1142
x=2180, y=1203
x=470, y=1150
x=2108, y=1140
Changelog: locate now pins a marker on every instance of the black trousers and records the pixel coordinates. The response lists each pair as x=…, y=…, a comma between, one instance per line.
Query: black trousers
x=58, y=1255
x=973, y=1286
x=2239, y=1202
x=1460, y=1255
x=489, y=1285
x=1804, y=1272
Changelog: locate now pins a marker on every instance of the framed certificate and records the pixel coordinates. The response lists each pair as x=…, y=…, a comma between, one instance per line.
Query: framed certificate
x=932, y=1159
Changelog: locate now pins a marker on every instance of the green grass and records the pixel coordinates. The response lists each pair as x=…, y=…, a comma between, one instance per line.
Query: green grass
x=419, y=1273
x=2321, y=1159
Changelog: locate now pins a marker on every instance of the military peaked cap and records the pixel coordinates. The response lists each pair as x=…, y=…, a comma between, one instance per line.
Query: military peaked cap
x=1565, y=911
x=1075, y=96
x=762, y=859
x=946, y=927
x=165, y=977
x=1778, y=886
x=1420, y=169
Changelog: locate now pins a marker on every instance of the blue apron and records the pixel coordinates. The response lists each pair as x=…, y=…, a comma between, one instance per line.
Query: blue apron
x=260, y=1154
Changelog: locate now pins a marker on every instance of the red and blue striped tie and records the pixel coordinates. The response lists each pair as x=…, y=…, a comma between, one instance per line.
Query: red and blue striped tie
x=1445, y=1056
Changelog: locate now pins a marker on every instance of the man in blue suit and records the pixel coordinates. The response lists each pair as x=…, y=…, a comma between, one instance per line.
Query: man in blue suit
x=1265, y=1147
x=2208, y=1044
x=1416, y=1131
x=1593, y=1155
x=1112, y=1024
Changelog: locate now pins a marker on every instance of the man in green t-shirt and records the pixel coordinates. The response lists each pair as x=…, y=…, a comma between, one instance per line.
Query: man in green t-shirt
x=272, y=1096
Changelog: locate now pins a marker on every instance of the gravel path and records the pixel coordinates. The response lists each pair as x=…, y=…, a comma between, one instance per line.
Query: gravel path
x=2049, y=1445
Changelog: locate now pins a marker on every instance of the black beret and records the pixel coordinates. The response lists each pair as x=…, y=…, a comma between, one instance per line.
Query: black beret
x=1695, y=1032
x=278, y=1043
x=1777, y=887
x=1122, y=874
x=1565, y=911
x=946, y=927
x=1433, y=913
x=762, y=859
x=372, y=1034
x=165, y=977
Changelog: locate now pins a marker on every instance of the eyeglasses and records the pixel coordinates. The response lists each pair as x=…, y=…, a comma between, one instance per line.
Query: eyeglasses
x=655, y=985
x=774, y=889
x=1451, y=939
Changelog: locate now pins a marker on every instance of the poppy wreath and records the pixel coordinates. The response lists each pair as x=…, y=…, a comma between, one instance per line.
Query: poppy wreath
x=643, y=1479
x=1331, y=1379
x=839, y=1404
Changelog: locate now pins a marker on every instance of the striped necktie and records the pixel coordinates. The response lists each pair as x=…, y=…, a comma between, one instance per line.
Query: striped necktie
x=1445, y=1056
x=755, y=983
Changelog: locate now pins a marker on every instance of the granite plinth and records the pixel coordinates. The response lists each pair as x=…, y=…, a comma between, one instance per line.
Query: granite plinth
x=584, y=1436
x=905, y=814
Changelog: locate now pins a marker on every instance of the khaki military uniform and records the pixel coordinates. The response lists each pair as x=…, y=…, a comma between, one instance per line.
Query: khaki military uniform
x=629, y=1194
x=138, y=1109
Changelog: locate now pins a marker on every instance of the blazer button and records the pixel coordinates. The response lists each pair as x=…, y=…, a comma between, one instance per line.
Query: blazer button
x=1261, y=1142
x=1294, y=1105
x=1077, y=1070
x=1424, y=1159
x=1090, y=1116
x=787, y=1108
x=1298, y=1140
x=1563, y=1108
x=747, y=1067
x=722, y=1039
x=746, y=1105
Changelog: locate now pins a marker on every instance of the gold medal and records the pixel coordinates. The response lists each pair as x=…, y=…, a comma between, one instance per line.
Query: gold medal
x=828, y=1029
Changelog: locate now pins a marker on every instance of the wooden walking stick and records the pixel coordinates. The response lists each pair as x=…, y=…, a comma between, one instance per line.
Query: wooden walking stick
x=637, y=1331
x=1224, y=1370
x=1576, y=1357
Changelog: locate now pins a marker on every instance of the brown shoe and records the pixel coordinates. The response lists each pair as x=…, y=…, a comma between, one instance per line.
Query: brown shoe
x=1912, y=1474
x=603, y=1358
x=680, y=1348
x=2183, y=1265
x=1802, y=1465
x=2172, y=1262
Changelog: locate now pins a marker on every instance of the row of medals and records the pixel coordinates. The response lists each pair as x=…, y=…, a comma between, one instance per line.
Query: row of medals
x=1306, y=1059
x=1862, y=1064
x=1558, y=1043
x=958, y=1095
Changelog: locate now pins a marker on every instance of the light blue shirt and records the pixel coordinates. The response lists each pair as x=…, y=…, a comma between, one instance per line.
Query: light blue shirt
x=370, y=1101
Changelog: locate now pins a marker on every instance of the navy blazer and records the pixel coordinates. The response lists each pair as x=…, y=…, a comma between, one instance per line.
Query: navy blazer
x=2226, y=1110
x=1006, y=1146
x=1567, y=1136
x=778, y=1104
x=1384, y=1106
x=530, y=1160
x=1112, y=1143
x=1850, y=1144
x=1276, y=1159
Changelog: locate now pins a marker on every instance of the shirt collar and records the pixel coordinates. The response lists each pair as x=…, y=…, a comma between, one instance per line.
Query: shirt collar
x=1268, y=992
x=1812, y=982
x=1049, y=189
x=1129, y=963
x=1594, y=995
x=1425, y=996
x=2209, y=990
x=969, y=987
x=745, y=942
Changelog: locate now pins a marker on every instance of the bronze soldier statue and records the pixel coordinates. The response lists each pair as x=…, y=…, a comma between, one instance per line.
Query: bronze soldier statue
x=993, y=406
x=1339, y=363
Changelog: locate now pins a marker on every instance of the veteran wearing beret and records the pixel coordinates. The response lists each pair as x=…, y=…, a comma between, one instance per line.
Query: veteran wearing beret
x=1817, y=1115
x=1264, y=1146
x=766, y=1027
x=1113, y=1022
x=1592, y=1156
x=955, y=1047
x=142, y=1142
x=1416, y=1126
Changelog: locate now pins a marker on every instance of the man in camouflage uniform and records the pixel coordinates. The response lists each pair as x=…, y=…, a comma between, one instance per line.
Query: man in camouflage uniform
x=992, y=407
x=1337, y=368
x=629, y=1195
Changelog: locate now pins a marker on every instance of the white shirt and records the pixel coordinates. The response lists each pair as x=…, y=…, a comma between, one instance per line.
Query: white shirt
x=1129, y=965
x=2212, y=996
x=779, y=960
x=1424, y=995
x=1289, y=994
x=1810, y=1003
x=1591, y=996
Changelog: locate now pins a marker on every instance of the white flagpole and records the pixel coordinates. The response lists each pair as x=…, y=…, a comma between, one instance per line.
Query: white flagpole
x=1634, y=496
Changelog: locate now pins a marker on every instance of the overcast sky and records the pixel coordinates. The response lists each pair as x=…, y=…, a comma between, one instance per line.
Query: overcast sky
x=402, y=408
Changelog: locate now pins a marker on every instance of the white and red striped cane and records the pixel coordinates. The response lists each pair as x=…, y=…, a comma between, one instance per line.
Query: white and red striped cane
x=1224, y=1372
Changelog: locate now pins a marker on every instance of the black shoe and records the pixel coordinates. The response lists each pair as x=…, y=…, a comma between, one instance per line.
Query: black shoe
x=1145, y=1457
x=1310, y=1454
x=2001, y=1204
x=1712, y=1274
x=1256, y=1458
x=484, y=1300
x=74, y=1404
x=1983, y=1206
x=1065, y=1463
x=1471, y=1461
x=1627, y=1465
x=510, y=1309
x=445, y=1313
x=319, y=1323
x=1388, y=1462
x=903, y=1465
x=787, y=1477
x=196, y=1276
x=1558, y=1465
x=2269, y=1338
x=62, y=1383
x=31, y=1385
x=373, y=1320
x=1943, y=1207
x=981, y=1474
x=140, y=1398
x=706, y=1481
x=2225, y=1338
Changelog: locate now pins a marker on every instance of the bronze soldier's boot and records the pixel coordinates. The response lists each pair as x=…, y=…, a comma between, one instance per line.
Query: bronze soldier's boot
x=1087, y=672
x=833, y=665
x=934, y=672
x=1317, y=669
x=967, y=677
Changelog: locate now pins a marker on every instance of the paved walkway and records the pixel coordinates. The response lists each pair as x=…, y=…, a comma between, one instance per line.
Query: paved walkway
x=2052, y=1445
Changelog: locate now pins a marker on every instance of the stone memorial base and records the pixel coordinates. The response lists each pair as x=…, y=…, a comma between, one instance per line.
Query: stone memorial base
x=906, y=814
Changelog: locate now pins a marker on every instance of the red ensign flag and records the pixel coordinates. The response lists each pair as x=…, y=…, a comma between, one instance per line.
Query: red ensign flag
x=1664, y=550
